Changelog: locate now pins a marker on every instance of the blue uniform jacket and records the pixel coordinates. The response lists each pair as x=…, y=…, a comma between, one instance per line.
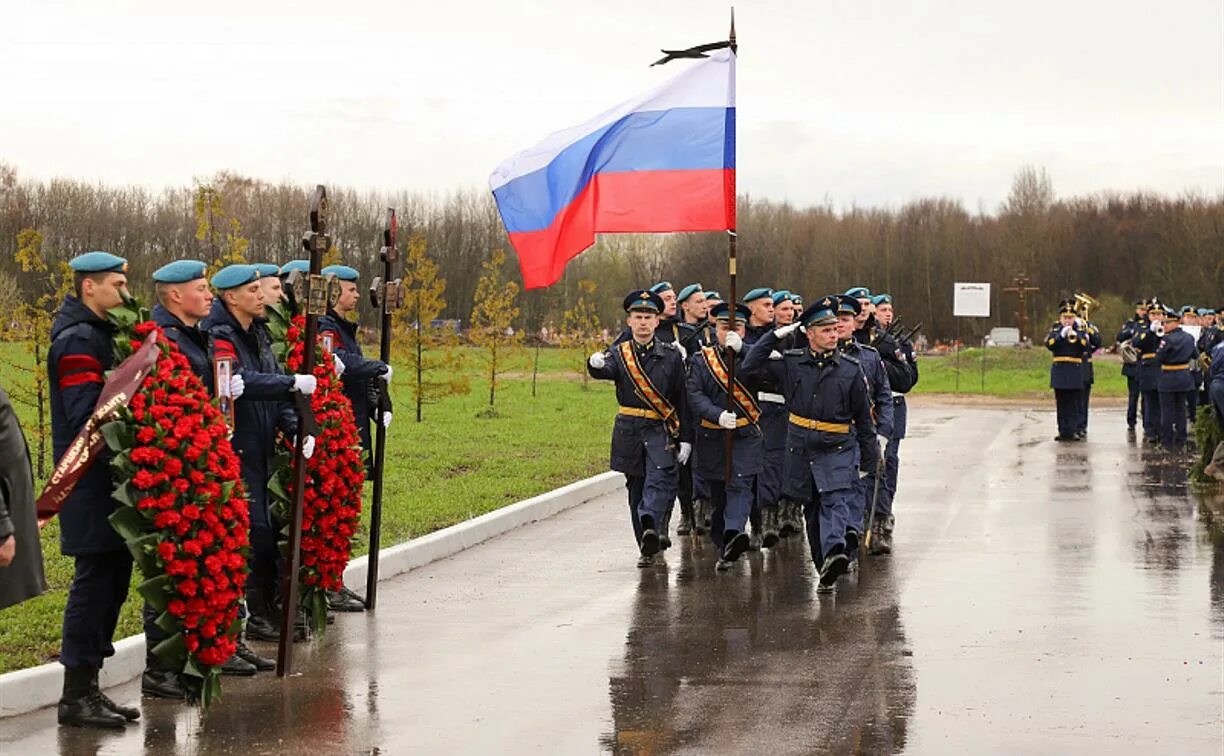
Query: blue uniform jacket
x=830, y=390
x=1216, y=372
x=1091, y=344
x=359, y=371
x=631, y=435
x=191, y=341
x=694, y=336
x=264, y=407
x=1175, y=355
x=707, y=400
x=668, y=331
x=1129, y=331
x=878, y=388
x=1146, y=343
x=1067, y=370
x=82, y=350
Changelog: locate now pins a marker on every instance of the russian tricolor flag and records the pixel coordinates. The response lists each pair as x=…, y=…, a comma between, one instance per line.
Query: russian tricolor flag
x=662, y=162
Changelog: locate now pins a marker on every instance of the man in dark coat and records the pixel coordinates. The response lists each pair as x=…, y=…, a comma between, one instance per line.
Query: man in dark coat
x=1066, y=342
x=21, y=564
x=1176, y=355
x=1146, y=342
x=1128, y=334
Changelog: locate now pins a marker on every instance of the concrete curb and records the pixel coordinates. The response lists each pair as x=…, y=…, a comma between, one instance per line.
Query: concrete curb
x=26, y=690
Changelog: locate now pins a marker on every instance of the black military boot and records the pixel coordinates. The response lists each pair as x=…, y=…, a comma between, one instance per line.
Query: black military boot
x=130, y=713
x=737, y=544
x=260, y=663
x=769, y=527
x=701, y=518
x=81, y=703
x=162, y=683
x=650, y=538
x=834, y=566
x=686, y=525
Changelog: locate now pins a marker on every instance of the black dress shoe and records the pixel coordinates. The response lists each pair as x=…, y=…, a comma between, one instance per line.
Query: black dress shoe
x=162, y=683
x=650, y=543
x=645, y=561
x=130, y=713
x=259, y=628
x=260, y=663
x=835, y=565
x=238, y=667
x=737, y=544
x=88, y=710
x=344, y=601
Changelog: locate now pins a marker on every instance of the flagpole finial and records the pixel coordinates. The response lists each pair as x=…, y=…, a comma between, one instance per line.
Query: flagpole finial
x=731, y=37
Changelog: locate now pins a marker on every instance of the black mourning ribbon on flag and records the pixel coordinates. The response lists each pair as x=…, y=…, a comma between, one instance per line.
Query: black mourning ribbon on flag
x=693, y=52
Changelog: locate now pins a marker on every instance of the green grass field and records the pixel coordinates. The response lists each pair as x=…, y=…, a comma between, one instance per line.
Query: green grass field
x=1010, y=373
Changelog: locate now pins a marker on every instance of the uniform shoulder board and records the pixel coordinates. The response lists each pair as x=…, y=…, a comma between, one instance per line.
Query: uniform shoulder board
x=868, y=347
x=795, y=352
x=851, y=360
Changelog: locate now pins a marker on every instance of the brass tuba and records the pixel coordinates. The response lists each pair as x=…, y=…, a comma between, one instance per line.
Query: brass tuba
x=1084, y=305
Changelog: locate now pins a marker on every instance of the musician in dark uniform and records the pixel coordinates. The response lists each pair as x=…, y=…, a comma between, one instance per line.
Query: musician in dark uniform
x=1176, y=354
x=650, y=437
x=709, y=377
x=1066, y=342
x=831, y=438
x=1092, y=342
x=1190, y=317
x=1127, y=335
x=1146, y=343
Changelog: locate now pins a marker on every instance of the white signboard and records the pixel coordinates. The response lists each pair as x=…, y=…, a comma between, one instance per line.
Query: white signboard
x=971, y=300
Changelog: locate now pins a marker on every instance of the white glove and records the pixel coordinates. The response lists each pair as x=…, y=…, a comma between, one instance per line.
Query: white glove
x=305, y=384
x=883, y=440
x=686, y=451
x=308, y=447
x=1066, y=331
x=775, y=355
x=727, y=420
x=236, y=386
x=1155, y=327
x=387, y=376
x=785, y=331
x=1079, y=323
x=339, y=365
x=597, y=361
x=734, y=342
x=386, y=419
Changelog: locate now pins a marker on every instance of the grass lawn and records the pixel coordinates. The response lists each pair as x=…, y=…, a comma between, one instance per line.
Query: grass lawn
x=1011, y=373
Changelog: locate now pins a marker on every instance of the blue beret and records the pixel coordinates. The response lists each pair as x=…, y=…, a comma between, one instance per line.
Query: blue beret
x=302, y=266
x=643, y=300
x=722, y=311
x=847, y=303
x=1188, y=309
x=880, y=299
x=779, y=295
x=859, y=292
x=342, y=272
x=234, y=275
x=179, y=271
x=713, y=295
x=661, y=287
x=821, y=312
x=266, y=269
x=797, y=299
x=1206, y=311
x=98, y=262
x=756, y=294
x=687, y=292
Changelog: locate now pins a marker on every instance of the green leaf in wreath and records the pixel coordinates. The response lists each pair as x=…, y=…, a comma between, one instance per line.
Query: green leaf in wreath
x=172, y=651
x=168, y=622
x=144, y=552
x=125, y=494
x=156, y=591
x=191, y=669
x=118, y=435
x=129, y=523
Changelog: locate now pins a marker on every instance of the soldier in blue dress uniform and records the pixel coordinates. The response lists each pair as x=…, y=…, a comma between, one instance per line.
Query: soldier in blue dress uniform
x=650, y=437
x=1176, y=354
x=707, y=396
x=831, y=438
x=764, y=517
x=696, y=331
x=81, y=352
x=1092, y=342
x=1128, y=334
x=1066, y=342
x=902, y=370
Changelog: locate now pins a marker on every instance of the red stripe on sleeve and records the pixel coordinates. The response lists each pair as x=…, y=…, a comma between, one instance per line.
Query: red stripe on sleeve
x=70, y=362
x=76, y=379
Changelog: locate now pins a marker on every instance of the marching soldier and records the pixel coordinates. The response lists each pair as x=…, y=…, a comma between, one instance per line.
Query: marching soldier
x=1146, y=343
x=695, y=332
x=263, y=409
x=786, y=519
x=902, y=370
x=828, y=401
x=709, y=383
x=669, y=324
x=1176, y=354
x=764, y=516
x=1126, y=340
x=1091, y=344
x=1066, y=342
x=81, y=352
x=650, y=437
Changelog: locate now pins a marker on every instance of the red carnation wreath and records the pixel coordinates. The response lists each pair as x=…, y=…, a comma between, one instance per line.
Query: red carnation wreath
x=183, y=510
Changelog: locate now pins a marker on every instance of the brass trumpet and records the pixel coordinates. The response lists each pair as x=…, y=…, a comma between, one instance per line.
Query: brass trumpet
x=1084, y=304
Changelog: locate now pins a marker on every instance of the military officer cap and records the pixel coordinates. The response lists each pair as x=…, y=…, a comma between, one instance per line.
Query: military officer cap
x=266, y=269
x=687, y=292
x=98, y=262
x=1141, y=303
x=234, y=275
x=780, y=295
x=859, y=292
x=848, y=304
x=643, y=300
x=822, y=312
x=1170, y=314
x=179, y=271
x=880, y=299
x=722, y=311
x=661, y=287
x=342, y=272
x=713, y=296
x=301, y=266
x=755, y=294
x=1066, y=306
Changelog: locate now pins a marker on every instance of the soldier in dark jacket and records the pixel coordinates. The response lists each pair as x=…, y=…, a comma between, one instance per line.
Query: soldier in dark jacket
x=81, y=352
x=902, y=369
x=21, y=564
x=1146, y=343
x=263, y=409
x=696, y=331
x=1176, y=354
x=831, y=438
x=1091, y=344
x=1066, y=342
x=1129, y=332
x=650, y=438
x=768, y=496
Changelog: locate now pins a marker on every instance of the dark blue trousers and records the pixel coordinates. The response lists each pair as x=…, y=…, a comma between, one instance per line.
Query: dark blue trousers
x=99, y=588
x=1151, y=414
x=1083, y=410
x=1132, y=400
x=1173, y=419
x=1068, y=403
x=730, y=506
x=651, y=494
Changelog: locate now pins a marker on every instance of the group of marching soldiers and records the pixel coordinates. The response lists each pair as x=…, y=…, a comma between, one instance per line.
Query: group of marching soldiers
x=210, y=320
x=807, y=396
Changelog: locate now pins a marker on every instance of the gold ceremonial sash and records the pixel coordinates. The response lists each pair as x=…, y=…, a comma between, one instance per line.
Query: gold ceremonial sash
x=819, y=425
x=647, y=392
x=743, y=398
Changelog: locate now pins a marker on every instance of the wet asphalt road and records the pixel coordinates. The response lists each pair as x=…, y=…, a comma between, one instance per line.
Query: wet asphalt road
x=1042, y=598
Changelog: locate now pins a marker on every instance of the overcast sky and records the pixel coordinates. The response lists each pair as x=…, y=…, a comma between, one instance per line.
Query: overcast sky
x=867, y=102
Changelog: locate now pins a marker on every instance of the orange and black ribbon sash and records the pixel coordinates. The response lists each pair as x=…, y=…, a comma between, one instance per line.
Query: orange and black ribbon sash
x=742, y=396
x=647, y=392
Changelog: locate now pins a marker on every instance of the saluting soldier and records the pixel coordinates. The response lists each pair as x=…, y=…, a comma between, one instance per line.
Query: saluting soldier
x=696, y=332
x=1066, y=341
x=81, y=352
x=828, y=401
x=709, y=384
x=1127, y=335
x=902, y=370
x=650, y=437
x=1146, y=343
x=263, y=409
x=1176, y=354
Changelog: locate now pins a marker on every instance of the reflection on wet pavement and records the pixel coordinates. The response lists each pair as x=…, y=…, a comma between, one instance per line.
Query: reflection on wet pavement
x=1041, y=598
